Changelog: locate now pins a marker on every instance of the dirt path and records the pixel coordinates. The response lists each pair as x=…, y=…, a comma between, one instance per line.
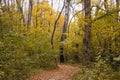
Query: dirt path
x=64, y=72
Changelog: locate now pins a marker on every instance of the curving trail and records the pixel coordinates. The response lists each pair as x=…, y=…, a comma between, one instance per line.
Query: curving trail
x=64, y=72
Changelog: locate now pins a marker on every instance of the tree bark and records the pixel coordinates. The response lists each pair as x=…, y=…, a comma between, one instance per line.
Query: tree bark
x=87, y=34
x=117, y=6
x=65, y=26
x=29, y=14
x=105, y=4
x=0, y=2
x=20, y=9
x=55, y=25
x=66, y=20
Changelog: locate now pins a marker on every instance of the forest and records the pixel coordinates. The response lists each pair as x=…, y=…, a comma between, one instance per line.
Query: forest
x=59, y=39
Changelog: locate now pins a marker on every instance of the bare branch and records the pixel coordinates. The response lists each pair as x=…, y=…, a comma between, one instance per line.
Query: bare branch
x=55, y=25
x=107, y=14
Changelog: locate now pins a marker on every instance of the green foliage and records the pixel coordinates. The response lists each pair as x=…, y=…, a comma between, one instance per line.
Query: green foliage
x=20, y=54
x=13, y=64
x=40, y=51
x=104, y=48
x=22, y=50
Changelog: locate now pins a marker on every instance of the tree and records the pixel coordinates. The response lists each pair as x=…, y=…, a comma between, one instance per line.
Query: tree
x=20, y=10
x=106, y=4
x=117, y=6
x=29, y=14
x=87, y=34
x=66, y=23
x=66, y=20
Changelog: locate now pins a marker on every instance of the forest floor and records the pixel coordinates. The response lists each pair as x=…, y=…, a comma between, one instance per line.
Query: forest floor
x=63, y=72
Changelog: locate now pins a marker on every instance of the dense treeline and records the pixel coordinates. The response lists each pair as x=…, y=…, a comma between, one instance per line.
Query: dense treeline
x=91, y=39
x=24, y=48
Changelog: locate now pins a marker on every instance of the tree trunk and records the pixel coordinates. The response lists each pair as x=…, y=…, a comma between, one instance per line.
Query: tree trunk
x=87, y=34
x=65, y=26
x=29, y=14
x=0, y=2
x=66, y=19
x=105, y=4
x=117, y=6
x=20, y=9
